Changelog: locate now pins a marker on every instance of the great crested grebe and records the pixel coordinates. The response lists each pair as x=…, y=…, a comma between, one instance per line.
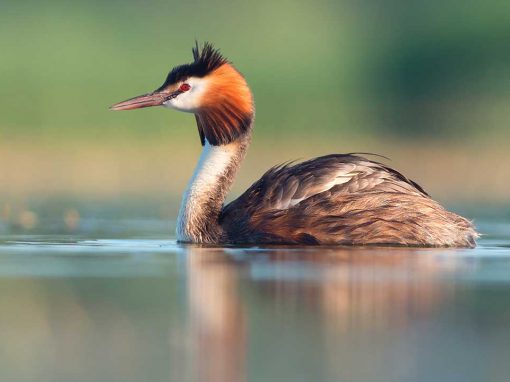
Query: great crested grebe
x=335, y=199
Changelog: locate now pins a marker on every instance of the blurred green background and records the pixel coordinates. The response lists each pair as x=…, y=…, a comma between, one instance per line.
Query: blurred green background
x=424, y=83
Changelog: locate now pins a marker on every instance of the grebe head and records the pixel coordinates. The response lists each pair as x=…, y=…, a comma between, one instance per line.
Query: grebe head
x=212, y=89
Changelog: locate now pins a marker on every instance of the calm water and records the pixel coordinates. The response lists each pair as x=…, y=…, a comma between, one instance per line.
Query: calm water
x=134, y=307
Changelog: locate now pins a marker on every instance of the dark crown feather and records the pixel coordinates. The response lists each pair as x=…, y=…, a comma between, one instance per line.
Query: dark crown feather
x=208, y=59
x=205, y=61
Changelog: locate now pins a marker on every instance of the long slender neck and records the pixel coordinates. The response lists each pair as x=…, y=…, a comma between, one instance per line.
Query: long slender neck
x=206, y=192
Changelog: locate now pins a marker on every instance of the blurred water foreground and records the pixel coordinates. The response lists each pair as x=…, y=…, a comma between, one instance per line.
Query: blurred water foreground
x=137, y=306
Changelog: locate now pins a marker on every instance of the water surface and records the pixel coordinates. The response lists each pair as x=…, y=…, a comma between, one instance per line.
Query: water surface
x=139, y=307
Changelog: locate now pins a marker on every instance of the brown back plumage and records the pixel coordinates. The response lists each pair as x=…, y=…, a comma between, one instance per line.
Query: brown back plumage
x=341, y=199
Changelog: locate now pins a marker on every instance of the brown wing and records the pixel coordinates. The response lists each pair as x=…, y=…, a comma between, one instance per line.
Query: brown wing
x=340, y=199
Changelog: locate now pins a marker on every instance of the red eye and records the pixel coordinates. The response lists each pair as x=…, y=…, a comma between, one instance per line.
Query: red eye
x=184, y=87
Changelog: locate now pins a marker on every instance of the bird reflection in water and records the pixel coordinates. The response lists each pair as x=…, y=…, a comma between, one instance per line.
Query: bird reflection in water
x=217, y=318
x=339, y=289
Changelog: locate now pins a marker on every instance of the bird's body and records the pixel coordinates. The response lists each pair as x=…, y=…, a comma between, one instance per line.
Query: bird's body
x=338, y=199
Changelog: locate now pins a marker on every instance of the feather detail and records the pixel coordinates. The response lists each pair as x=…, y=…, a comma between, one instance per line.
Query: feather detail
x=341, y=199
x=227, y=110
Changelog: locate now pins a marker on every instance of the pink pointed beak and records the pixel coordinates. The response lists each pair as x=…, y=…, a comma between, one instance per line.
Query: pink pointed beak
x=146, y=100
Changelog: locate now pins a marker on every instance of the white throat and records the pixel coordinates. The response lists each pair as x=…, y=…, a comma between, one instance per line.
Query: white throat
x=207, y=184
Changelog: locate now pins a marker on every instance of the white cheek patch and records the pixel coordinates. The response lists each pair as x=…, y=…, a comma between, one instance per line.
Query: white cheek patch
x=191, y=100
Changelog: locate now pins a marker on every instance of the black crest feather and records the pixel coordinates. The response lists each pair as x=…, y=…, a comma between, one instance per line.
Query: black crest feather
x=208, y=59
x=205, y=61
